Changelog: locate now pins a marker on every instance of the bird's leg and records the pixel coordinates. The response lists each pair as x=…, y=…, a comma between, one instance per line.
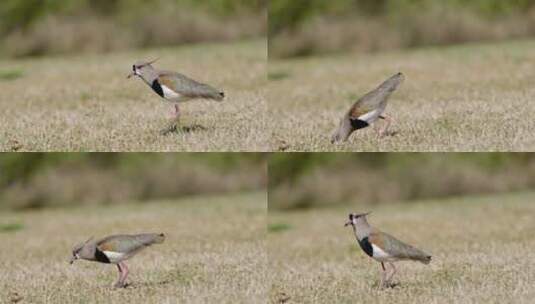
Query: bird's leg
x=383, y=276
x=173, y=121
x=388, y=119
x=124, y=274
x=118, y=283
x=177, y=112
x=389, y=279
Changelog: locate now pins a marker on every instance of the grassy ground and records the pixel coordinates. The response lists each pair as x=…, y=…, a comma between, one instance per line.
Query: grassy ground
x=482, y=251
x=214, y=252
x=461, y=98
x=86, y=103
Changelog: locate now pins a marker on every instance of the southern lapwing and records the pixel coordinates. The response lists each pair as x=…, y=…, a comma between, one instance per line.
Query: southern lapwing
x=367, y=110
x=115, y=249
x=383, y=247
x=174, y=87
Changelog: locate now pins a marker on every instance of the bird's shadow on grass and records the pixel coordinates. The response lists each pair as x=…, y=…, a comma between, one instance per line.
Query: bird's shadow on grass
x=183, y=129
x=151, y=284
x=389, y=286
x=186, y=276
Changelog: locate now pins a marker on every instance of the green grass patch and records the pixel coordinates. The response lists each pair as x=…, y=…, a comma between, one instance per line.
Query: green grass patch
x=11, y=227
x=278, y=75
x=11, y=75
x=279, y=227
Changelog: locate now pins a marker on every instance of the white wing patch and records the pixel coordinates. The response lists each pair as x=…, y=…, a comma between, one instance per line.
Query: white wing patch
x=379, y=254
x=371, y=116
x=115, y=257
x=170, y=94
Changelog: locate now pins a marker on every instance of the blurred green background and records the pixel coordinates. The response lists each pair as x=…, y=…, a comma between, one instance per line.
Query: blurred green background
x=41, y=180
x=312, y=180
x=38, y=27
x=307, y=27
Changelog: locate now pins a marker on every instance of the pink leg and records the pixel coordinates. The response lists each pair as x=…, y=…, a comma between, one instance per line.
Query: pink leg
x=383, y=276
x=388, y=121
x=177, y=111
x=124, y=274
x=118, y=283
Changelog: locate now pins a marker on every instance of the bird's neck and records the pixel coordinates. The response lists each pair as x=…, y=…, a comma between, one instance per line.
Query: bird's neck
x=88, y=252
x=362, y=229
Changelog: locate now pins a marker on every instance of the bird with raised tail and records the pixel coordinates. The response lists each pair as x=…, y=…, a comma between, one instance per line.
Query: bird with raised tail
x=383, y=247
x=367, y=110
x=174, y=87
x=115, y=249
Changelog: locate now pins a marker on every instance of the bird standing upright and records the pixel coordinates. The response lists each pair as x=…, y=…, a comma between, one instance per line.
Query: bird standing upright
x=383, y=247
x=367, y=110
x=174, y=87
x=115, y=249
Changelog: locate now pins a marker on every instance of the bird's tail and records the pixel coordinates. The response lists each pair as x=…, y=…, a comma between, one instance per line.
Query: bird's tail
x=159, y=238
x=219, y=96
x=148, y=239
x=426, y=259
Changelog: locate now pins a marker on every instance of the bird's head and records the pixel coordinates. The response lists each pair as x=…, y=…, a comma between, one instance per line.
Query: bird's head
x=140, y=67
x=354, y=217
x=343, y=131
x=79, y=250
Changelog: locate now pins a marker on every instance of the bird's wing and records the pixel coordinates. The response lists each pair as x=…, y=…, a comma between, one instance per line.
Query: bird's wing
x=188, y=87
x=393, y=245
x=364, y=105
x=376, y=98
x=126, y=243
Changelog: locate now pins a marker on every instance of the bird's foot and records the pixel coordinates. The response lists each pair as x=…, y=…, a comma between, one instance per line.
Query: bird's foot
x=121, y=285
x=385, y=133
x=169, y=129
x=387, y=284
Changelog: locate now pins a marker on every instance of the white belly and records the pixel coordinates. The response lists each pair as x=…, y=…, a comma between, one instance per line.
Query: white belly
x=172, y=95
x=115, y=257
x=371, y=116
x=380, y=255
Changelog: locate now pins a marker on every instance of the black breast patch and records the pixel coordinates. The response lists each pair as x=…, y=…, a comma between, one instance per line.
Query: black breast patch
x=366, y=246
x=358, y=124
x=101, y=257
x=157, y=87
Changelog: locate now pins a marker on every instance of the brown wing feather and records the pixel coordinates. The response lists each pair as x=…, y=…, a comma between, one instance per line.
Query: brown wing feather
x=375, y=238
x=166, y=81
x=398, y=248
x=188, y=87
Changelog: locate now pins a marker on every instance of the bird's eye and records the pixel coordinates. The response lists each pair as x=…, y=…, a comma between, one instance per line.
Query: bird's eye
x=134, y=68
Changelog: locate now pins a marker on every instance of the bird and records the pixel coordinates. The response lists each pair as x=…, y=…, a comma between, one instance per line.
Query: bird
x=367, y=110
x=383, y=247
x=174, y=87
x=115, y=249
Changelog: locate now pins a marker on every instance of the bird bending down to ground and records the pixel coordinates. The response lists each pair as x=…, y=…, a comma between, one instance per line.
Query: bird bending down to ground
x=174, y=87
x=383, y=247
x=367, y=110
x=115, y=249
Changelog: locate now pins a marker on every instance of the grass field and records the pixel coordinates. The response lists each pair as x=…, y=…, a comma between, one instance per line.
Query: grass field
x=214, y=252
x=482, y=251
x=85, y=103
x=475, y=97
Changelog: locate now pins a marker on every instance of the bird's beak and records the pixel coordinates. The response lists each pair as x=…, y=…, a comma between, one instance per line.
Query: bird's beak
x=347, y=223
x=130, y=75
x=72, y=260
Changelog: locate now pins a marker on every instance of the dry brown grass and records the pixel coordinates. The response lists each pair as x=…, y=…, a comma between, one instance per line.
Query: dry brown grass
x=462, y=98
x=214, y=252
x=86, y=103
x=481, y=247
